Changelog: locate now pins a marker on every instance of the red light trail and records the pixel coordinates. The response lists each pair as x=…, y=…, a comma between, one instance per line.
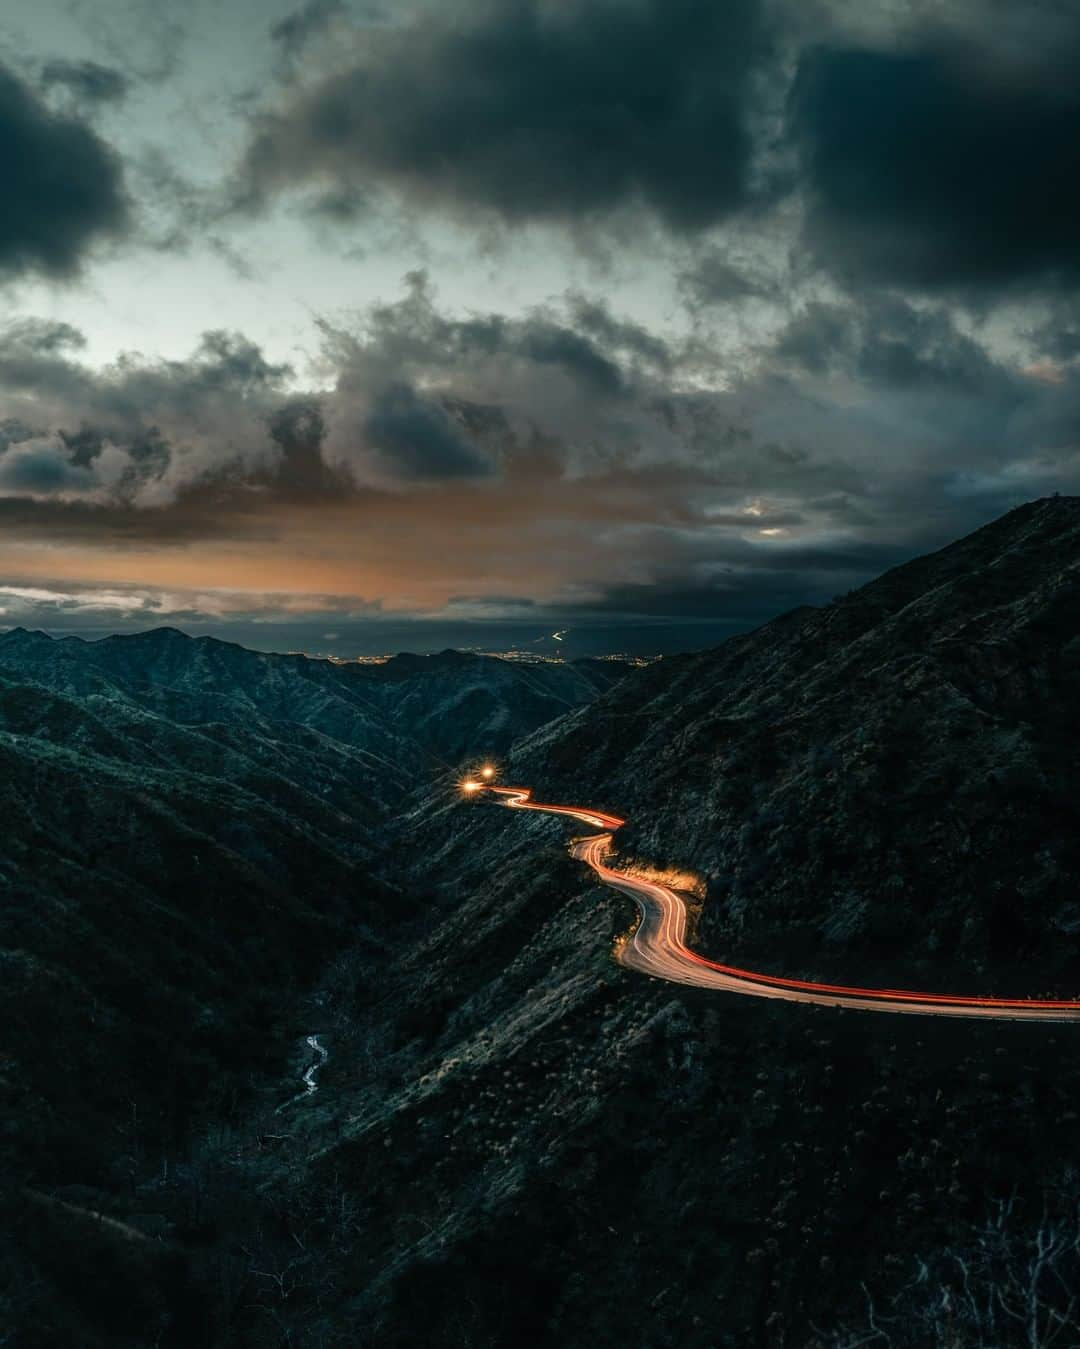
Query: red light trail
x=658, y=946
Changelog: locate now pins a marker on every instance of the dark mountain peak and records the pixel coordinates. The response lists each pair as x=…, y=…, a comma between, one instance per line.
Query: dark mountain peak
x=1057, y=503
x=154, y=636
x=172, y=639
x=999, y=560
x=24, y=636
x=452, y=656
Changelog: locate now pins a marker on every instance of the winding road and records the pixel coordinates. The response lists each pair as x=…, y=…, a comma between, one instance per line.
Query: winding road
x=658, y=946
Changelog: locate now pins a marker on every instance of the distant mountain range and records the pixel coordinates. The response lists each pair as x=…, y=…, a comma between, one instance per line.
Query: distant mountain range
x=399, y=712
x=211, y=853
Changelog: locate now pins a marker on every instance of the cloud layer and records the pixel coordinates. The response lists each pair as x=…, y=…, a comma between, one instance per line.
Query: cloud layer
x=566, y=457
x=824, y=314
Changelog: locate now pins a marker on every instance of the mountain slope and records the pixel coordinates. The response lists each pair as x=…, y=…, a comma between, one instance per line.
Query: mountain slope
x=152, y=918
x=887, y=782
x=188, y=839
x=462, y=704
x=402, y=712
x=553, y=1151
x=517, y=1142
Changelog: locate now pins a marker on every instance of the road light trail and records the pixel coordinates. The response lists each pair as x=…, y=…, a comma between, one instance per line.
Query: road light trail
x=658, y=946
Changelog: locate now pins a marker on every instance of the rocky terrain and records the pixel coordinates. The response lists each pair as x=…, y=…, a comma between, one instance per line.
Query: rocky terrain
x=404, y=714
x=888, y=783
x=515, y=1142
x=462, y=705
x=191, y=834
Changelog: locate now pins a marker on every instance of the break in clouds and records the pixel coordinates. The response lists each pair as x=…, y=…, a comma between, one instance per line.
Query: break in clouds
x=852, y=226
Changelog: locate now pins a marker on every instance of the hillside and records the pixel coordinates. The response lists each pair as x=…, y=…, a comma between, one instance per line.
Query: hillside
x=554, y=1152
x=516, y=1142
x=407, y=715
x=886, y=784
x=462, y=704
x=190, y=837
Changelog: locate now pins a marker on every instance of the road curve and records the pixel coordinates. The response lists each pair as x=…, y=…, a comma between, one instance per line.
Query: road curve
x=658, y=946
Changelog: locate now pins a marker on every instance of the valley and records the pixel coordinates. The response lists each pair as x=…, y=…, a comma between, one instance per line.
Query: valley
x=213, y=855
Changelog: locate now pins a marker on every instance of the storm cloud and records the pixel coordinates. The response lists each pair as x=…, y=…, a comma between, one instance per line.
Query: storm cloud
x=142, y=431
x=534, y=111
x=924, y=169
x=857, y=429
x=411, y=397
x=602, y=311
x=63, y=186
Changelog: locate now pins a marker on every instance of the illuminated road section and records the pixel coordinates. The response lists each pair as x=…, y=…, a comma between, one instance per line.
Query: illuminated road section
x=658, y=946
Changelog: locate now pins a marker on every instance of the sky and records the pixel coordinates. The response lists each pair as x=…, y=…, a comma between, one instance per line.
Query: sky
x=362, y=326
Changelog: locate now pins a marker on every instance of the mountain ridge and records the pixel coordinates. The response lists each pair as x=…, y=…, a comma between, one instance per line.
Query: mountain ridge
x=926, y=647
x=510, y=1131
x=427, y=706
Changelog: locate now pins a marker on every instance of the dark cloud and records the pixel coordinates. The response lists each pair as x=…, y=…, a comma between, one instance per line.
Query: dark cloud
x=140, y=433
x=486, y=386
x=713, y=280
x=415, y=397
x=886, y=341
x=925, y=168
x=12, y=431
x=906, y=347
x=42, y=337
x=817, y=338
x=553, y=344
x=581, y=339
x=937, y=433
x=63, y=187
x=874, y=178
x=631, y=340
x=300, y=32
x=535, y=111
x=42, y=467
x=417, y=437
x=574, y=448
x=1058, y=334
x=296, y=30
x=298, y=428
x=75, y=518
x=88, y=81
